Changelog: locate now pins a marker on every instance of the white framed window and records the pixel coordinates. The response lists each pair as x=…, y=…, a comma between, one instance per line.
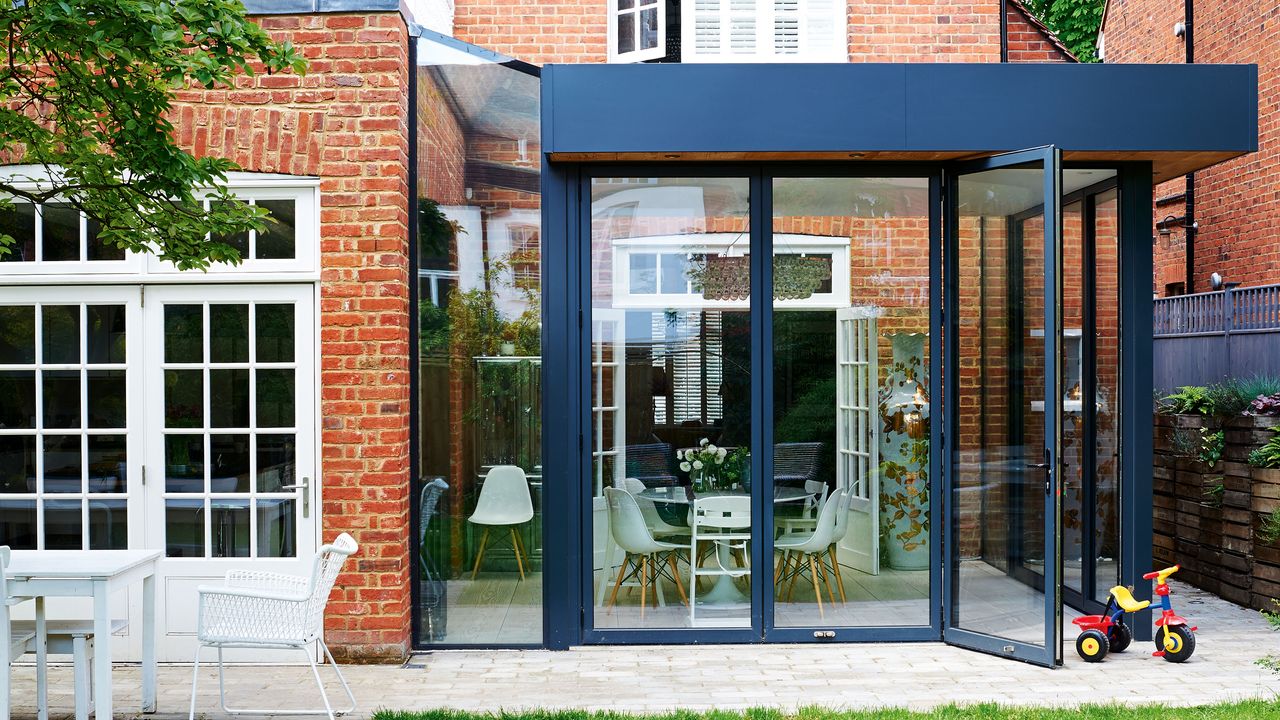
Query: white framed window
x=54, y=242
x=763, y=31
x=658, y=271
x=637, y=30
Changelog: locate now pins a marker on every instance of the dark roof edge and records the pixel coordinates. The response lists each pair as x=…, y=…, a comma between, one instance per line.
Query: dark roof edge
x=1049, y=35
x=299, y=7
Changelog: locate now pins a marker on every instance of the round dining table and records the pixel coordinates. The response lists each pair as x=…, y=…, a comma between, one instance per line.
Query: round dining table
x=724, y=591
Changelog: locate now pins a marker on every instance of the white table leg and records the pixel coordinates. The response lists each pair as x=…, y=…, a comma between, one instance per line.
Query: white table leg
x=102, y=651
x=42, y=662
x=149, y=644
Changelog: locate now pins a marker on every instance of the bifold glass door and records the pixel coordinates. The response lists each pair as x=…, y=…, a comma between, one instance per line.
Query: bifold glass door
x=1003, y=558
x=759, y=460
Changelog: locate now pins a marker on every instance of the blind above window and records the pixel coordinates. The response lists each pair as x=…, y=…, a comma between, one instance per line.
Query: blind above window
x=764, y=31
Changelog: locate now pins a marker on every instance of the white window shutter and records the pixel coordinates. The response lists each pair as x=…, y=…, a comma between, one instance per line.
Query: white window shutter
x=764, y=31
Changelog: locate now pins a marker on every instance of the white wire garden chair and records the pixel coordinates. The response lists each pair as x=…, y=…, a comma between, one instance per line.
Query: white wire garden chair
x=265, y=610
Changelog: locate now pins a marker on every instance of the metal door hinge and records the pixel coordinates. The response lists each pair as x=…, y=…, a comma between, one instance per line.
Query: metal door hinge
x=144, y=475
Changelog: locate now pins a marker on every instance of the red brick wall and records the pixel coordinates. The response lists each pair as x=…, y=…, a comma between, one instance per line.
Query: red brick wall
x=1029, y=41
x=547, y=31
x=346, y=122
x=924, y=31
x=1236, y=203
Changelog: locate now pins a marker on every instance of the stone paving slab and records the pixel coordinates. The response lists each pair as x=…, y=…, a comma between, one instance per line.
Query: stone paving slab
x=919, y=676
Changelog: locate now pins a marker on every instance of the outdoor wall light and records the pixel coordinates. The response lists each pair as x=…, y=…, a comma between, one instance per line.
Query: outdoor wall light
x=1165, y=226
x=1180, y=29
x=671, y=156
x=856, y=156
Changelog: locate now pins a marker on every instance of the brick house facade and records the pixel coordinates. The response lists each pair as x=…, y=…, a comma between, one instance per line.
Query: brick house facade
x=1234, y=205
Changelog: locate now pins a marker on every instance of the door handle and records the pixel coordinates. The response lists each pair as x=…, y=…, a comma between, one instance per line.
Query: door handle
x=305, y=487
x=1037, y=466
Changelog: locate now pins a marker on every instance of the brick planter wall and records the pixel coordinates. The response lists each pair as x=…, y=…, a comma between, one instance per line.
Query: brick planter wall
x=1213, y=535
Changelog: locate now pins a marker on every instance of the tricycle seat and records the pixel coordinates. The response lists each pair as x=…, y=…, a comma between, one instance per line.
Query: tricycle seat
x=1126, y=601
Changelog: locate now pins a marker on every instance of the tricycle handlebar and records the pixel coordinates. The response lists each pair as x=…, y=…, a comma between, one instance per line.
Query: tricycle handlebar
x=1161, y=575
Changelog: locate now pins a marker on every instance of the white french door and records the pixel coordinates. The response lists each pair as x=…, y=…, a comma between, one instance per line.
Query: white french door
x=858, y=432
x=230, y=440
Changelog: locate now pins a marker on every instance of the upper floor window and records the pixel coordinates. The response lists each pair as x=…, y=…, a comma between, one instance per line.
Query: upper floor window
x=637, y=30
x=729, y=30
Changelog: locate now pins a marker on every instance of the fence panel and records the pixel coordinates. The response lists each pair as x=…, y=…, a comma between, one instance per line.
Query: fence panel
x=1207, y=337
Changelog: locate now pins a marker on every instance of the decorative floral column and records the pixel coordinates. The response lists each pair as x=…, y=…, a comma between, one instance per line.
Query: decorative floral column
x=904, y=454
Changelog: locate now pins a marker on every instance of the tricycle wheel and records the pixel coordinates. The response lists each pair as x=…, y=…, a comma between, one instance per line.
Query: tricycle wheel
x=1179, y=645
x=1092, y=645
x=1119, y=635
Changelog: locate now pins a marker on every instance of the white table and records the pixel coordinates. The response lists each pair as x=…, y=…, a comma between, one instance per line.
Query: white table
x=40, y=574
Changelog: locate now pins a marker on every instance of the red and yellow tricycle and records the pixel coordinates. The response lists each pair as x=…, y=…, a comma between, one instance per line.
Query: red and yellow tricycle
x=1107, y=633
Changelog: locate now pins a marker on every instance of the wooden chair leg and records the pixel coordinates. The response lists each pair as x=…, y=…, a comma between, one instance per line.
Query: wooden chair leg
x=675, y=575
x=644, y=582
x=516, y=545
x=817, y=593
x=622, y=572
x=484, y=539
x=826, y=581
x=795, y=575
x=835, y=569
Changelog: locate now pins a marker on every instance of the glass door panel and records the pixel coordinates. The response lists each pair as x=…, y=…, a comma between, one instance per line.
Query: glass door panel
x=671, y=409
x=851, y=401
x=1003, y=561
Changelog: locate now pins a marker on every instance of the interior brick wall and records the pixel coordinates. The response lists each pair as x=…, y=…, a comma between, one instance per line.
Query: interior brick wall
x=1237, y=204
x=346, y=122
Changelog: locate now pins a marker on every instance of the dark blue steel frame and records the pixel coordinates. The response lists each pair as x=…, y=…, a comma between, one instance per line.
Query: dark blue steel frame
x=1049, y=159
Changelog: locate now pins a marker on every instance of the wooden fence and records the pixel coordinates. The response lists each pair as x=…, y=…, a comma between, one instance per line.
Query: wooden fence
x=1206, y=337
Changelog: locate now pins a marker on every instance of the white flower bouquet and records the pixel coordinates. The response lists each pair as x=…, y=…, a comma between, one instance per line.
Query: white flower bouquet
x=703, y=464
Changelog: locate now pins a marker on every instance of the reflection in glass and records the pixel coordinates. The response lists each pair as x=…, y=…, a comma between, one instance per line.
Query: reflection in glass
x=18, y=221
x=106, y=334
x=18, y=334
x=108, y=524
x=18, y=523
x=184, y=463
x=671, y=402
x=184, y=528
x=107, y=404
x=276, y=242
x=108, y=464
x=97, y=248
x=228, y=333
x=480, y=352
x=61, y=232
x=60, y=334
x=276, y=528
x=17, y=463
x=851, y=400
x=275, y=398
x=62, y=527
x=229, y=398
x=1107, y=330
x=183, y=333
x=274, y=330
x=18, y=387
x=229, y=470
x=61, y=398
x=62, y=469
x=277, y=455
x=183, y=398
x=229, y=527
x=998, y=509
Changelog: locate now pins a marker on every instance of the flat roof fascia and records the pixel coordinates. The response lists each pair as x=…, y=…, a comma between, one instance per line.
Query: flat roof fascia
x=899, y=108
x=298, y=7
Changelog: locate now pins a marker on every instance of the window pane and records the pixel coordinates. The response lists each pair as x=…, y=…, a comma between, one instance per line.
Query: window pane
x=229, y=398
x=61, y=232
x=17, y=334
x=62, y=469
x=60, y=334
x=106, y=334
x=184, y=463
x=17, y=463
x=239, y=241
x=626, y=32
x=61, y=398
x=108, y=525
x=644, y=275
x=99, y=249
x=229, y=527
x=18, y=221
x=18, y=523
x=108, y=464
x=274, y=331
x=228, y=333
x=18, y=387
x=275, y=398
x=183, y=398
x=106, y=398
x=277, y=241
x=183, y=333
x=675, y=279
x=184, y=528
x=229, y=471
x=648, y=29
x=276, y=528
x=276, y=462
x=62, y=525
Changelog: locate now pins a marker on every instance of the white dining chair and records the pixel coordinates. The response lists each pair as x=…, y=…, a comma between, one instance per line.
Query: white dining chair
x=264, y=610
x=724, y=521
x=643, y=555
x=808, y=515
x=505, y=501
x=801, y=551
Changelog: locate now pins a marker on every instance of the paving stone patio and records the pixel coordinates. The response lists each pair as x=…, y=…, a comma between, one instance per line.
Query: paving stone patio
x=918, y=675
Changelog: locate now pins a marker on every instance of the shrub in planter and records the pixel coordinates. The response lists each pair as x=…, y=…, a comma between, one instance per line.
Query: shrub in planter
x=1188, y=400
x=1267, y=456
x=1268, y=405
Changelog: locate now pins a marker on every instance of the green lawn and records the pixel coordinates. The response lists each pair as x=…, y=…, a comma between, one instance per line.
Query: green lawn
x=1229, y=711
